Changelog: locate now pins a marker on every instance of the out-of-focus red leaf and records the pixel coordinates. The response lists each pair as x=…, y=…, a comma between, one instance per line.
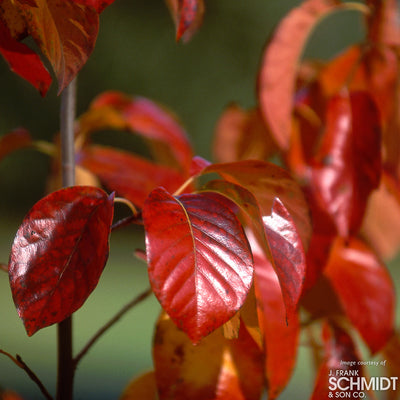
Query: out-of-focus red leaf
x=217, y=368
x=241, y=134
x=22, y=60
x=58, y=254
x=15, y=140
x=267, y=181
x=391, y=355
x=130, y=176
x=280, y=330
x=338, y=347
x=383, y=22
x=347, y=166
x=200, y=263
x=10, y=395
x=142, y=387
x=198, y=165
x=153, y=122
x=365, y=290
x=277, y=76
x=188, y=17
x=65, y=31
x=98, y=5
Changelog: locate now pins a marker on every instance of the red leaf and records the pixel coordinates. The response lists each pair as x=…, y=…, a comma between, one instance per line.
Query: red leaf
x=152, y=121
x=347, y=166
x=15, y=140
x=338, y=347
x=58, y=254
x=98, y=5
x=281, y=331
x=365, y=290
x=287, y=254
x=278, y=71
x=200, y=263
x=217, y=368
x=130, y=176
x=23, y=61
x=187, y=15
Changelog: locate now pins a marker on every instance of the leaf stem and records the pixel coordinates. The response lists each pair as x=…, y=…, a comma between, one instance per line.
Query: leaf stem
x=65, y=371
x=136, y=300
x=21, y=364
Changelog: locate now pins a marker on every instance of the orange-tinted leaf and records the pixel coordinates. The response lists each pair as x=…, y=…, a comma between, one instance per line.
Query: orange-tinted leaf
x=216, y=368
x=142, y=387
x=277, y=76
x=347, y=166
x=22, y=60
x=281, y=331
x=241, y=135
x=267, y=181
x=9, y=395
x=187, y=15
x=338, y=347
x=15, y=140
x=391, y=356
x=200, y=263
x=167, y=137
x=130, y=176
x=365, y=290
x=66, y=33
x=58, y=254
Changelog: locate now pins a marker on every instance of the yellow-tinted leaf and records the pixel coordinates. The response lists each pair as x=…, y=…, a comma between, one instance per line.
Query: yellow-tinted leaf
x=141, y=388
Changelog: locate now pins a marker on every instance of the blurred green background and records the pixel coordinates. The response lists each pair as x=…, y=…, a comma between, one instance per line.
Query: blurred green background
x=136, y=53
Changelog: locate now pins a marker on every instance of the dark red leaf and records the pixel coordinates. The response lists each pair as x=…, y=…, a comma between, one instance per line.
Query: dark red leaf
x=187, y=15
x=58, y=254
x=130, y=176
x=23, y=61
x=15, y=140
x=280, y=331
x=365, y=290
x=338, y=347
x=347, y=166
x=200, y=263
x=98, y=5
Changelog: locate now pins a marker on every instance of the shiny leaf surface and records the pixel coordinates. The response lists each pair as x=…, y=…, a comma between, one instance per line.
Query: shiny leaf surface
x=200, y=264
x=58, y=254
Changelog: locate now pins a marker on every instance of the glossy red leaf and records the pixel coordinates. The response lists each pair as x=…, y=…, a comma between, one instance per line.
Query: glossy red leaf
x=278, y=71
x=129, y=175
x=280, y=331
x=347, y=166
x=365, y=290
x=22, y=60
x=338, y=347
x=15, y=140
x=58, y=254
x=200, y=263
x=188, y=17
x=167, y=138
x=217, y=368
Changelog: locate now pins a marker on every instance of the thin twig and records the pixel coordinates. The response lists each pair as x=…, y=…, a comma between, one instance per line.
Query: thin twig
x=21, y=364
x=132, y=219
x=138, y=299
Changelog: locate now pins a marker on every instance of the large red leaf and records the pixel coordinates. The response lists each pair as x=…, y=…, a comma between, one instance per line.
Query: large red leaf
x=200, y=263
x=187, y=15
x=347, y=166
x=129, y=175
x=365, y=290
x=58, y=254
x=280, y=331
x=277, y=76
x=338, y=347
x=217, y=368
x=159, y=126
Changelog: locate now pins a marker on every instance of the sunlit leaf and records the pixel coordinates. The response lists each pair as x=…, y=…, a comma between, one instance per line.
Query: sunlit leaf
x=277, y=76
x=365, y=290
x=200, y=264
x=338, y=347
x=14, y=140
x=143, y=387
x=58, y=254
x=187, y=15
x=129, y=175
x=217, y=368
